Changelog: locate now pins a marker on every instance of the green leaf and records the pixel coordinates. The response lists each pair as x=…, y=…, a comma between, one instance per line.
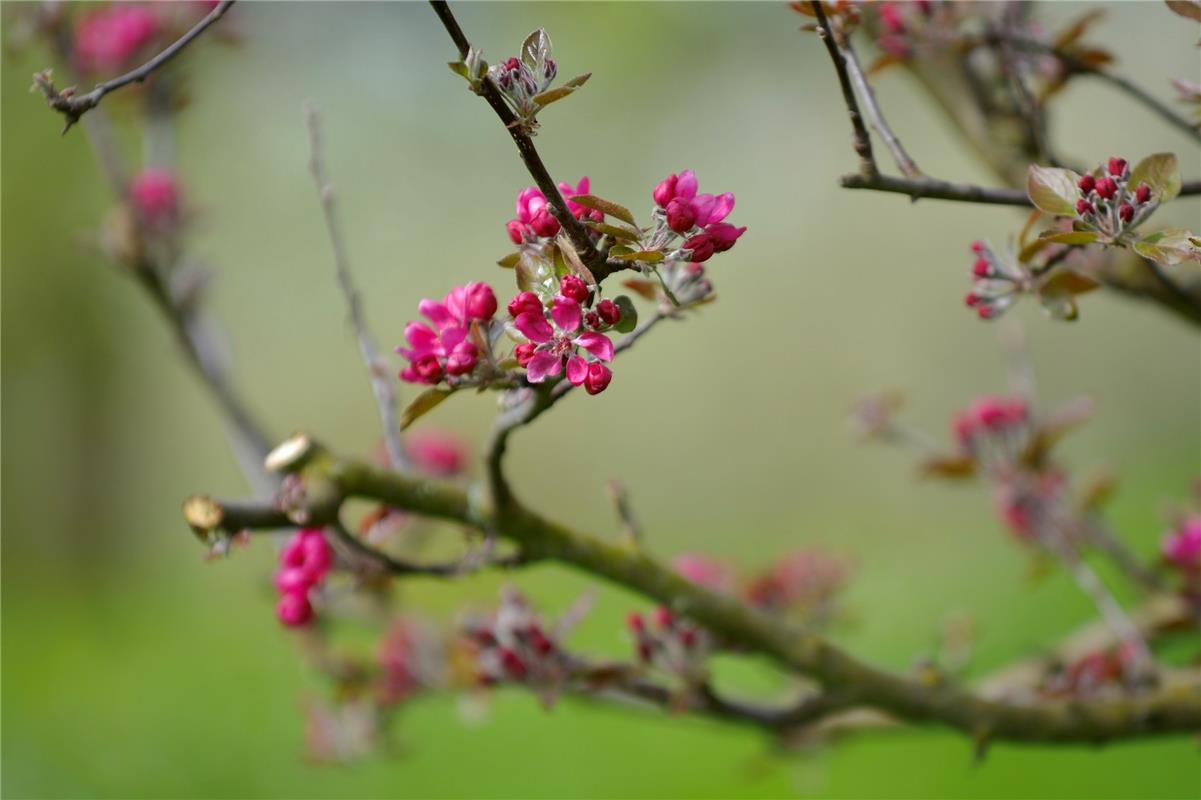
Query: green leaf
x=1189, y=9
x=509, y=261
x=460, y=69
x=535, y=49
x=629, y=314
x=1053, y=190
x=578, y=80
x=1169, y=247
x=1070, y=237
x=422, y=404
x=552, y=95
x=605, y=207
x=648, y=256
x=574, y=264
x=642, y=287
x=1161, y=172
x=616, y=231
x=1066, y=283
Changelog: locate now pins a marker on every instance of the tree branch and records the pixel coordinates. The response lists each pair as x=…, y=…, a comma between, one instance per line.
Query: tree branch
x=382, y=384
x=862, y=141
x=600, y=267
x=1153, y=711
x=73, y=106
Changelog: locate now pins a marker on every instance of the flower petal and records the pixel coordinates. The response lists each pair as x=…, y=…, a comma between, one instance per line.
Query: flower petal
x=702, y=206
x=436, y=312
x=542, y=365
x=577, y=370
x=686, y=185
x=722, y=208
x=566, y=313
x=597, y=344
x=534, y=327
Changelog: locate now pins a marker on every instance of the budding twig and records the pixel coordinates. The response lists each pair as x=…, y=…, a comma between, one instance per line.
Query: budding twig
x=596, y=263
x=73, y=106
x=862, y=141
x=382, y=384
x=905, y=163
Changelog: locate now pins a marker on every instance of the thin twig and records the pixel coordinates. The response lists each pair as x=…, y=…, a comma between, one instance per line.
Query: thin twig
x=905, y=163
x=73, y=106
x=630, y=527
x=862, y=141
x=600, y=267
x=381, y=384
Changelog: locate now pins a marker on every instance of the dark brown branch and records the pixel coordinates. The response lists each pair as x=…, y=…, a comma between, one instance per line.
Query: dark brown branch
x=935, y=189
x=862, y=141
x=73, y=106
x=595, y=261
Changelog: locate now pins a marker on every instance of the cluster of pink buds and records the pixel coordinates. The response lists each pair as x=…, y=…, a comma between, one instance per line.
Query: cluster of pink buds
x=555, y=336
x=1109, y=204
x=698, y=217
x=670, y=644
x=1094, y=672
x=109, y=39
x=447, y=351
x=520, y=82
x=996, y=282
x=303, y=564
x=409, y=659
x=513, y=645
x=993, y=429
x=155, y=197
x=806, y=582
x=534, y=220
x=1027, y=503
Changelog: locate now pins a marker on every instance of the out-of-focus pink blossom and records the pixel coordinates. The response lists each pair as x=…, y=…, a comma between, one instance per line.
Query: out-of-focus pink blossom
x=436, y=452
x=707, y=572
x=304, y=562
x=990, y=416
x=110, y=38
x=1182, y=548
x=155, y=195
x=294, y=609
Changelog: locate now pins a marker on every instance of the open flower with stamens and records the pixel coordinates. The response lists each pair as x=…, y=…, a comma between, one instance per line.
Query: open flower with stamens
x=558, y=335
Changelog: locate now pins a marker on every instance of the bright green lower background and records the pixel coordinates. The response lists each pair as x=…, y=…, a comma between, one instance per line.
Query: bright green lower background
x=131, y=668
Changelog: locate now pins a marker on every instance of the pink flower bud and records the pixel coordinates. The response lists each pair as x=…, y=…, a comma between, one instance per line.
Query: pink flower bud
x=981, y=268
x=724, y=236
x=608, y=311
x=1142, y=194
x=1086, y=183
x=891, y=19
x=574, y=288
x=155, y=196
x=664, y=618
x=1126, y=212
x=543, y=646
x=544, y=224
x=986, y=312
x=665, y=191
x=592, y=320
x=701, y=246
x=517, y=231
x=1182, y=548
x=293, y=580
x=688, y=637
x=680, y=216
x=635, y=622
x=523, y=302
x=598, y=378
x=1117, y=167
x=462, y=359
x=971, y=299
x=479, y=302
x=1107, y=188
x=1084, y=207
x=427, y=369
x=436, y=452
x=524, y=353
x=977, y=247
x=294, y=609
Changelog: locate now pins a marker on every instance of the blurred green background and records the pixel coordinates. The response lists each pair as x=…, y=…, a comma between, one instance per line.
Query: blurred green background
x=134, y=669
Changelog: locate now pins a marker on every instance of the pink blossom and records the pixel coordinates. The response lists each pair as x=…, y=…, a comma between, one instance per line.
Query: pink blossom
x=294, y=609
x=574, y=288
x=707, y=572
x=154, y=194
x=533, y=212
x=685, y=209
x=1182, y=547
x=989, y=416
x=578, y=211
x=445, y=348
x=108, y=39
x=608, y=312
x=436, y=452
x=556, y=335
